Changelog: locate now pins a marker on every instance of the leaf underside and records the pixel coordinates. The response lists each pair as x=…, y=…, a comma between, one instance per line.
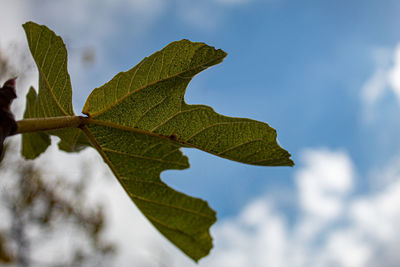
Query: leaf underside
x=139, y=121
x=55, y=92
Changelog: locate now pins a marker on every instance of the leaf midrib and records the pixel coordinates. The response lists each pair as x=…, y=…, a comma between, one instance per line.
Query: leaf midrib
x=177, y=142
x=143, y=157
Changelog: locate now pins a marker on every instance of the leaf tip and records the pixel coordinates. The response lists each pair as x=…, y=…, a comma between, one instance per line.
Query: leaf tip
x=26, y=24
x=29, y=24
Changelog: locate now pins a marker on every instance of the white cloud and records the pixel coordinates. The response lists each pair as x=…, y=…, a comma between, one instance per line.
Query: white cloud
x=100, y=18
x=345, y=248
x=260, y=242
x=325, y=180
x=384, y=80
x=10, y=21
x=379, y=212
x=374, y=88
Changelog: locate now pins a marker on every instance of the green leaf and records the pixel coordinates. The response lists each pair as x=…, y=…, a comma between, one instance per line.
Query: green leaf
x=33, y=144
x=55, y=92
x=139, y=121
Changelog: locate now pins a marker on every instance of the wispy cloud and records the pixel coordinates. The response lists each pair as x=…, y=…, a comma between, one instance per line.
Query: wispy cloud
x=374, y=87
x=383, y=81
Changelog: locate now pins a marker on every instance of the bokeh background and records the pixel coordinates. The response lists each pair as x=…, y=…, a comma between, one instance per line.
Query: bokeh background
x=325, y=74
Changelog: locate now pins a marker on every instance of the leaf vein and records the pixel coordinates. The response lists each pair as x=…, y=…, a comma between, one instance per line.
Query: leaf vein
x=149, y=71
x=162, y=64
x=151, y=147
x=59, y=70
x=216, y=124
x=240, y=145
x=47, y=51
x=142, y=87
x=51, y=92
x=150, y=109
x=143, y=157
x=75, y=140
x=134, y=74
x=164, y=204
x=171, y=152
x=63, y=88
x=52, y=64
x=37, y=43
x=174, y=115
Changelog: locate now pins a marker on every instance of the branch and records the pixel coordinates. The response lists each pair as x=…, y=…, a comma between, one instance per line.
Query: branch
x=52, y=123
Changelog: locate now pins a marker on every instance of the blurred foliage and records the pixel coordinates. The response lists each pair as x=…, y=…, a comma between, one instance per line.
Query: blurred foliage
x=48, y=208
x=37, y=211
x=5, y=254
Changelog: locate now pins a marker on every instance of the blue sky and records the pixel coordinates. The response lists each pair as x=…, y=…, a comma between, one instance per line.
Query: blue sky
x=323, y=73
